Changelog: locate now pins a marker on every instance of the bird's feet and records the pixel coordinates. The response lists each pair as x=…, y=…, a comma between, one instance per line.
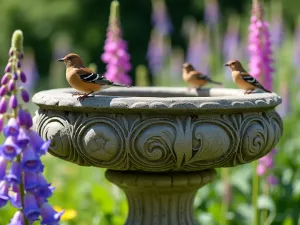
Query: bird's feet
x=247, y=92
x=77, y=93
x=84, y=96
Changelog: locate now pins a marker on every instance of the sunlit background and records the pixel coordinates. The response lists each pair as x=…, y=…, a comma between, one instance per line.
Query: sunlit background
x=161, y=35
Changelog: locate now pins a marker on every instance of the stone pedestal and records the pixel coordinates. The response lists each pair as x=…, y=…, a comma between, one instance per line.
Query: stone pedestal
x=159, y=144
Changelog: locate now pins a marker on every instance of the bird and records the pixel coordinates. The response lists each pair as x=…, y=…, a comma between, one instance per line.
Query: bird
x=195, y=78
x=242, y=78
x=83, y=79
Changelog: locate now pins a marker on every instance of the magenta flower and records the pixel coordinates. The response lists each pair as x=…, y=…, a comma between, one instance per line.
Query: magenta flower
x=20, y=163
x=115, y=50
x=261, y=68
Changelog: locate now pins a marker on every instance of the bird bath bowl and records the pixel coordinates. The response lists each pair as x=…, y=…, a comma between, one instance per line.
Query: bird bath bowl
x=160, y=145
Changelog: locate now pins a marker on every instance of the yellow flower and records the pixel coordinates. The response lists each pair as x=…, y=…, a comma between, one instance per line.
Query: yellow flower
x=69, y=214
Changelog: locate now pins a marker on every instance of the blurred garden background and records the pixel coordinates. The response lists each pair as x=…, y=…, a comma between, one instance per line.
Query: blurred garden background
x=161, y=35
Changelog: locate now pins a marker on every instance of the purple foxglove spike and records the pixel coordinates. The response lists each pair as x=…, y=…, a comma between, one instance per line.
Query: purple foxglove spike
x=40, y=200
x=49, y=215
x=18, y=219
x=11, y=85
x=12, y=128
x=35, y=140
x=3, y=90
x=9, y=150
x=8, y=68
x=13, y=102
x=5, y=78
x=14, y=174
x=31, y=209
x=44, y=148
x=3, y=105
x=30, y=180
x=22, y=76
x=30, y=161
x=3, y=165
x=211, y=12
x=3, y=193
x=15, y=199
x=23, y=138
x=25, y=95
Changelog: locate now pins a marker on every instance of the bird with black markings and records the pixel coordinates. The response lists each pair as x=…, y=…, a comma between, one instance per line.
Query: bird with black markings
x=83, y=79
x=242, y=78
x=195, y=78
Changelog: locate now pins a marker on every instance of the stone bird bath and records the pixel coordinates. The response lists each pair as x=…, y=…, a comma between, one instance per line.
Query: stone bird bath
x=160, y=145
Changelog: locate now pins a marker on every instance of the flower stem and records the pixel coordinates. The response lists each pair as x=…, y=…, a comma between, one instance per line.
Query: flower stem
x=225, y=179
x=264, y=213
x=255, y=190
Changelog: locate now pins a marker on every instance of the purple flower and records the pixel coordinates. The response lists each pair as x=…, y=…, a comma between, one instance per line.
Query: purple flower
x=13, y=102
x=8, y=68
x=9, y=150
x=3, y=193
x=31, y=209
x=24, y=95
x=3, y=90
x=44, y=148
x=15, y=76
x=21, y=118
x=30, y=161
x=211, y=12
x=15, y=199
x=23, y=139
x=35, y=140
x=22, y=76
x=11, y=85
x=30, y=180
x=49, y=215
x=43, y=189
x=18, y=219
x=12, y=128
x=160, y=18
x=14, y=174
x=3, y=164
x=3, y=105
x=5, y=78
x=115, y=50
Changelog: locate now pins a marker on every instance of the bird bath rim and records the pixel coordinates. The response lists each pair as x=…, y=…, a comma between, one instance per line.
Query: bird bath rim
x=159, y=99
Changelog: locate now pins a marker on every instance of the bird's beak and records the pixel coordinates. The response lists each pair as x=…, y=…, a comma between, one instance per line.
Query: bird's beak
x=61, y=60
x=226, y=64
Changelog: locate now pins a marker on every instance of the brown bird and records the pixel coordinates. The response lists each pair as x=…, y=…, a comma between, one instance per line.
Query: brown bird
x=84, y=79
x=195, y=78
x=242, y=78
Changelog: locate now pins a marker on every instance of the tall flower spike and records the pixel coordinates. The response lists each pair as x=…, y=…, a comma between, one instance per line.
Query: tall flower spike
x=20, y=165
x=261, y=65
x=115, y=50
x=160, y=18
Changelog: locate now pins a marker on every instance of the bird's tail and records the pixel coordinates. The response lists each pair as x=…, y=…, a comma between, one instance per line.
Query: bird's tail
x=215, y=82
x=267, y=90
x=120, y=85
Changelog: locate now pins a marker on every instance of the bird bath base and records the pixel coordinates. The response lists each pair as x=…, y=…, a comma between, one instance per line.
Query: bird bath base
x=160, y=198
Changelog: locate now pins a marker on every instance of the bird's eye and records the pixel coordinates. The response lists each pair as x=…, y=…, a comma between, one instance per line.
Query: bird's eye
x=233, y=63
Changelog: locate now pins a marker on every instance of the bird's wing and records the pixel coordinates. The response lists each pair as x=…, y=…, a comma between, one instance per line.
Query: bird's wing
x=199, y=76
x=249, y=79
x=87, y=75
